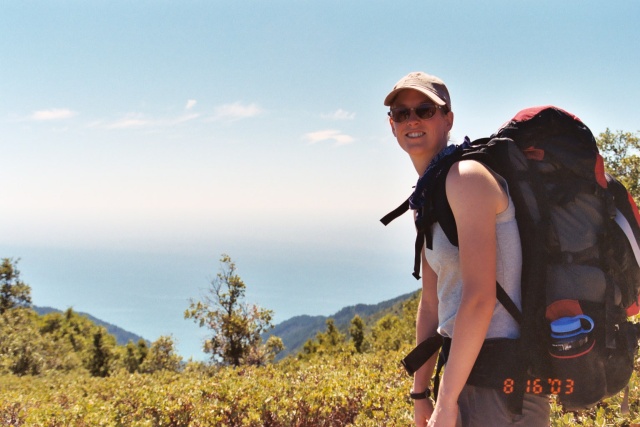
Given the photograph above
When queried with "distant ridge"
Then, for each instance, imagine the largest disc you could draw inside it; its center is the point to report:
(295, 331)
(122, 336)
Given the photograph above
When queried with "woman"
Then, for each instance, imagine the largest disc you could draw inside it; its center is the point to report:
(459, 283)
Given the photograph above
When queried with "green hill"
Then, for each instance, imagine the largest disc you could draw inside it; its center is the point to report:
(122, 336)
(296, 331)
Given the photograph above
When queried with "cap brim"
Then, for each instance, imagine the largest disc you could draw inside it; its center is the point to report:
(432, 96)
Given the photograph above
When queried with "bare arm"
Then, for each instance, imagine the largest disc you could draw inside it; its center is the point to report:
(475, 198)
(426, 325)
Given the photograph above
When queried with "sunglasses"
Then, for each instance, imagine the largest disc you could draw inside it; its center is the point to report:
(423, 111)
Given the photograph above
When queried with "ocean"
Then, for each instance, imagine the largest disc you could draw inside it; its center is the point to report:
(146, 290)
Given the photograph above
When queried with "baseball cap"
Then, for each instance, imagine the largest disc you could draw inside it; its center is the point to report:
(430, 85)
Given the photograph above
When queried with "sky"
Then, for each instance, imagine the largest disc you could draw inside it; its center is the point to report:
(142, 140)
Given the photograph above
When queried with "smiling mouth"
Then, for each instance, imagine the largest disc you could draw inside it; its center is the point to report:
(415, 134)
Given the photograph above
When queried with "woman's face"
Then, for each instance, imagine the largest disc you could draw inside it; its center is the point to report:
(422, 139)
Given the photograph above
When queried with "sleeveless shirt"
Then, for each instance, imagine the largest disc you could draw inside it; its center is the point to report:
(445, 262)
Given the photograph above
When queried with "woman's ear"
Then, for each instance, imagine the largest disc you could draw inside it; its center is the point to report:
(393, 127)
(449, 118)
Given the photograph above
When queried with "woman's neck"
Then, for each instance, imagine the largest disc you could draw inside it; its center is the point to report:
(422, 163)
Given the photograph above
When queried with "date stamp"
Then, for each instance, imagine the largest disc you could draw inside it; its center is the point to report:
(542, 386)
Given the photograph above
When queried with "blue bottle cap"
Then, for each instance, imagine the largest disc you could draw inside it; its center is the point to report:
(570, 326)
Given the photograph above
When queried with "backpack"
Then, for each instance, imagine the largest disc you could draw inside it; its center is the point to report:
(580, 233)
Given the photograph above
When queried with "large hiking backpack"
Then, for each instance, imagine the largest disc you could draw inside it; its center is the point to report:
(579, 230)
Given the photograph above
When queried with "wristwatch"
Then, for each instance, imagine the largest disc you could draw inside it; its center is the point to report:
(418, 396)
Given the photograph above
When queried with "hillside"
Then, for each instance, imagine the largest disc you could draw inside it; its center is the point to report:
(296, 331)
(122, 336)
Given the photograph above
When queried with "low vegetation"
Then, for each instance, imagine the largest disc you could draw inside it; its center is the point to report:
(61, 370)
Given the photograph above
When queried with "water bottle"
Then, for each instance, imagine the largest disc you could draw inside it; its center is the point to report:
(575, 361)
(571, 335)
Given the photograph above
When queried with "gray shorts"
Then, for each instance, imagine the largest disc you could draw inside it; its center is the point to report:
(482, 407)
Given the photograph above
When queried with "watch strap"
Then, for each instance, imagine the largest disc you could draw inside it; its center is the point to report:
(418, 396)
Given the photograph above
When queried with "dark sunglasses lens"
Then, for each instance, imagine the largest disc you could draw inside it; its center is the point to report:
(400, 115)
(426, 111)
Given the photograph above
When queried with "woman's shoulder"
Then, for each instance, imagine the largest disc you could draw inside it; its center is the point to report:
(470, 180)
(470, 172)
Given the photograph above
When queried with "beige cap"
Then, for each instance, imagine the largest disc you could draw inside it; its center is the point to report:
(430, 85)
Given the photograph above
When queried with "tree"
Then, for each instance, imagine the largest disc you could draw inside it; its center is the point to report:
(13, 291)
(161, 357)
(143, 351)
(131, 359)
(356, 330)
(20, 341)
(72, 339)
(101, 353)
(386, 333)
(621, 153)
(134, 355)
(332, 341)
(22, 348)
(393, 331)
(236, 327)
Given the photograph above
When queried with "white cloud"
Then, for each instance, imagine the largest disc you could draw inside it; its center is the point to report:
(53, 114)
(137, 120)
(130, 121)
(190, 104)
(96, 124)
(329, 135)
(236, 111)
(339, 114)
(181, 119)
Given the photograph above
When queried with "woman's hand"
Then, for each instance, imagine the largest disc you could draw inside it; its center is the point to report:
(422, 410)
(444, 415)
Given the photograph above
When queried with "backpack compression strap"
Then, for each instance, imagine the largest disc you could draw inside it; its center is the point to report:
(420, 236)
(423, 351)
(508, 304)
(400, 210)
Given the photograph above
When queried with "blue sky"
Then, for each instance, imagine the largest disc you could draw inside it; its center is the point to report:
(140, 140)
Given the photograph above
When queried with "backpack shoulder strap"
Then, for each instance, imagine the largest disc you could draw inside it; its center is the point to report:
(429, 198)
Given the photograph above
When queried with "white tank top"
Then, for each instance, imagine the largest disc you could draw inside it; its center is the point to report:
(444, 260)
